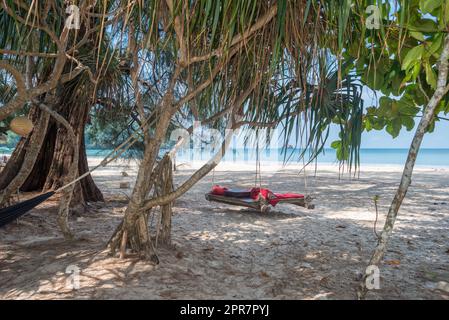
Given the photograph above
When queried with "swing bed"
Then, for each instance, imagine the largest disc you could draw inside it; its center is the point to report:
(257, 198)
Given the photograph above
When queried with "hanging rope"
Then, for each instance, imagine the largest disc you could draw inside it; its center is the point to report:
(258, 177)
(305, 176)
(260, 172)
(255, 176)
(308, 199)
(118, 151)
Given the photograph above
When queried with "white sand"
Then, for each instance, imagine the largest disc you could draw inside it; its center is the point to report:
(228, 252)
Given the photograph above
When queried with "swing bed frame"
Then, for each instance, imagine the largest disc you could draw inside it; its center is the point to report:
(242, 198)
(260, 204)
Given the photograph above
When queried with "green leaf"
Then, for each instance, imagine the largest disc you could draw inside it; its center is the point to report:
(216, 18)
(412, 57)
(431, 76)
(336, 144)
(424, 25)
(416, 70)
(394, 127)
(368, 125)
(436, 44)
(428, 6)
(342, 151)
(417, 35)
(407, 107)
(374, 78)
(385, 107)
(408, 122)
(446, 11)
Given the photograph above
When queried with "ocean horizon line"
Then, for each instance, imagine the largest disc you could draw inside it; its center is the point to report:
(434, 157)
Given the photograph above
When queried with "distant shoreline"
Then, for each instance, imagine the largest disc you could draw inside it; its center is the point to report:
(369, 157)
(268, 166)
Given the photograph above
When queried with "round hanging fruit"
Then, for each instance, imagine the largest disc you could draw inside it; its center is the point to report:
(21, 125)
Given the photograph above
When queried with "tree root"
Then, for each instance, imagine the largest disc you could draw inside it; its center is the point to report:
(136, 238)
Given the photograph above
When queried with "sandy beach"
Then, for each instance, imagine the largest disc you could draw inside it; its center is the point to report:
(223, 252)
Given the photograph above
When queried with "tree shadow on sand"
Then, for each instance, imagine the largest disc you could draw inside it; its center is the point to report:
(225, 252)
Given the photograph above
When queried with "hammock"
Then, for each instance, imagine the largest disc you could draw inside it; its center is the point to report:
(256, 198)
(13, 212)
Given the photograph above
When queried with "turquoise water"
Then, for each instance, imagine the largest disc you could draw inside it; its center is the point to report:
(426, 157)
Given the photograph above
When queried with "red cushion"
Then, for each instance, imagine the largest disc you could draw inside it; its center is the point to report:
(218, 190)
(289, 195)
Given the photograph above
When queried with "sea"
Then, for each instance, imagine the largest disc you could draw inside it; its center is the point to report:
(387, 156)
(390, 156)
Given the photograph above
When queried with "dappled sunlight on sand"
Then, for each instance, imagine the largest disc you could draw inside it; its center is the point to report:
(229, 252)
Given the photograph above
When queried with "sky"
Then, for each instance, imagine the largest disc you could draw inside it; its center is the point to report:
(438, 139)
(381, 139)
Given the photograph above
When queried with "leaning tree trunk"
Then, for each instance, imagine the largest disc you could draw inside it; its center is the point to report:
(428, 114)
(40, 121)
(133, 232)
(54, 158)
(162, 184)
(126, 233)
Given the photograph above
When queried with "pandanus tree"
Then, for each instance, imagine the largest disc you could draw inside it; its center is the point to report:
(236, 64)
(227, 64)
(211, 42)
(56, 69)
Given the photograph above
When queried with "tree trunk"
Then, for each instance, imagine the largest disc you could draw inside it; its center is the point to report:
(139, 207)
(29, 158)
(163, 186)
(72, 174)
(133, 232)
(54, 158)
(87, 185)
(428, 114)
(17, 157)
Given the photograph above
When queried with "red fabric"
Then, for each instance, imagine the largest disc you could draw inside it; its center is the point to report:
(289, 195)
(266, 194)
(218, 190)
(272, 198)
